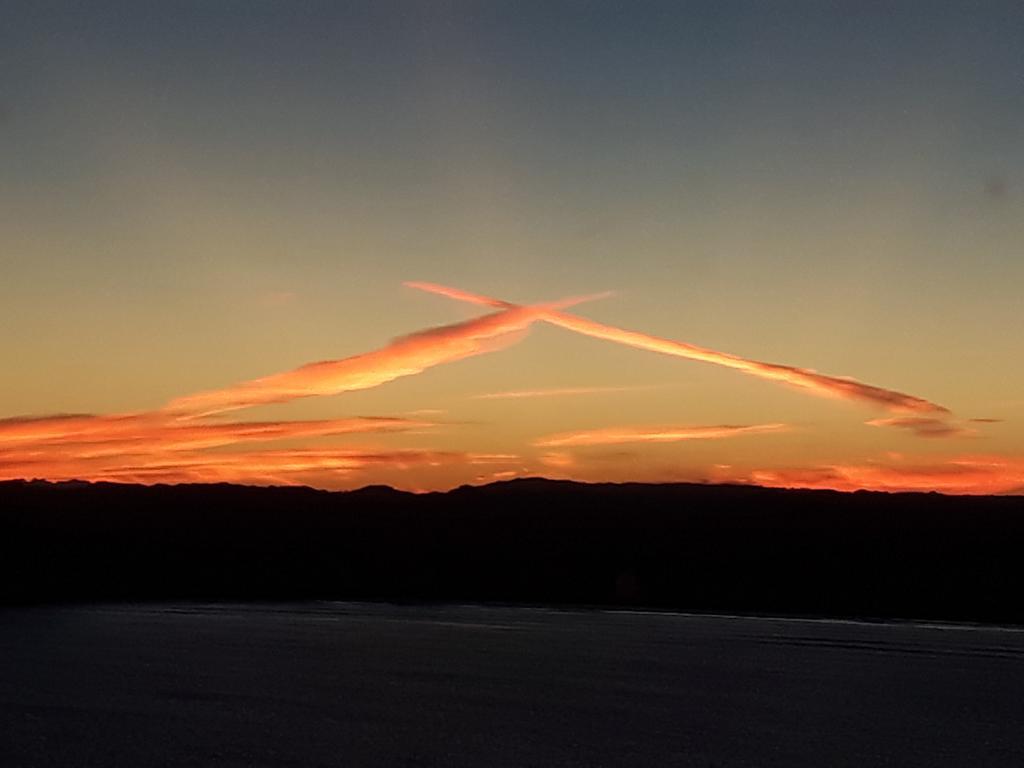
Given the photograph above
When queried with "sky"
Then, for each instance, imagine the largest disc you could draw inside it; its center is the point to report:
(429, 244)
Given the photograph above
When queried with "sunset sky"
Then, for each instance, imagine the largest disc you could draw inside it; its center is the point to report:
(428, 244)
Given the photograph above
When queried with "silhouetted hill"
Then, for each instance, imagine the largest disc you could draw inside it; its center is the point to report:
(690, 547)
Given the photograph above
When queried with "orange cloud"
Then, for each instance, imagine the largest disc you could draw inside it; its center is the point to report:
(91, 436)
(405, 356)
(652, 434)
(21, 429)
(176, 443)
(132, 447)
(924, 426)
(801, 378)
(182, 443)
(558, 460)
(965, 475)
(491, 477)
(556, 392)
(274, 467)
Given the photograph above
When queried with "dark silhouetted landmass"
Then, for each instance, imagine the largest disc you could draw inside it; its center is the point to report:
(688, 547)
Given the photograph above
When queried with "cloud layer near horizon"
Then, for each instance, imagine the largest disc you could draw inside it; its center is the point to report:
(188, 440)
(961, 475)
(87, 433)
(173, 443)
(277, 467)
(151, 445)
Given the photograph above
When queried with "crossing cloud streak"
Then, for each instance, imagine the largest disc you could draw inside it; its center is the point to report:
(174, 442)
(801, 378)
(404, 356)
(191, 440)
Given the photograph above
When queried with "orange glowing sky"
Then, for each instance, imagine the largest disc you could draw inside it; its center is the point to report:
(435, 246)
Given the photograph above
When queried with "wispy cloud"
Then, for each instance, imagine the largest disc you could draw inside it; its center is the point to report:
(278, 298)
(152, 448)
(802, 378)
(405, 356)
(517, 394)
(90, 436)
(653, 434)
(266, 467)
(924, 426)
(190, 440)
(559, 460)
(491, 477)
(22, 429)
(180, 441)
(963, 475)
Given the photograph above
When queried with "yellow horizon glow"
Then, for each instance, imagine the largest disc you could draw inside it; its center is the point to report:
(189, 439)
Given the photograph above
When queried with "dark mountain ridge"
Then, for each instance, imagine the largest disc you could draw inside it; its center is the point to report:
(727, 548)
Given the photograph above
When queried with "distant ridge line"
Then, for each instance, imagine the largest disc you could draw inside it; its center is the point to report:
(508, 483)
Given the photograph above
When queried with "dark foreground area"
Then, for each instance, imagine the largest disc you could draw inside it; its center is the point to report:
(722, 549)
(353, 685)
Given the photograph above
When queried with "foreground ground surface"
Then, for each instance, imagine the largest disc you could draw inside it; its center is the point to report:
(352, 684)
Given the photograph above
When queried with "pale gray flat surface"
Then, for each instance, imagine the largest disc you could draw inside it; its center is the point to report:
(353, 685)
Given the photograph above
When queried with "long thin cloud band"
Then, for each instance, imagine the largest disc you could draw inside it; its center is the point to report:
(403, 357)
